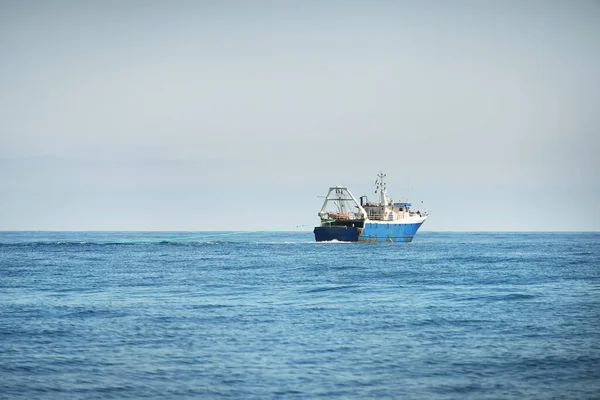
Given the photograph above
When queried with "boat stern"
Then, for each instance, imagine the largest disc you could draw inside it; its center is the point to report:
(339, 233)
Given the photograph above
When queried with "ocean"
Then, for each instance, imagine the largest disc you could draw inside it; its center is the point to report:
(264, 315)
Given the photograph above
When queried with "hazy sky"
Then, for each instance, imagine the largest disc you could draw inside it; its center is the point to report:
(224, 115)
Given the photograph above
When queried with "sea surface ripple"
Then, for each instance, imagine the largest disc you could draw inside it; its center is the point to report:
(118, 315)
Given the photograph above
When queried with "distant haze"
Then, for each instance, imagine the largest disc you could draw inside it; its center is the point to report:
(192, 115)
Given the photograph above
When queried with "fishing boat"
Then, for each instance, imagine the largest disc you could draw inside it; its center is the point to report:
(344, 218)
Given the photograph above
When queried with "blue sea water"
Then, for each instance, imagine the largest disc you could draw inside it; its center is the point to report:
(275, 315)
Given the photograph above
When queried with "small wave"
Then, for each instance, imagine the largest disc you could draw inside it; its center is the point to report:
(94, 314)
(504, 297)
(211, 306)
(275, 242)
(144, 242)
(330, 288)
(46, 244)
(518, 296)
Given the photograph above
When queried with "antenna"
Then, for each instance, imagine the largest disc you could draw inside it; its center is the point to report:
(379, 183)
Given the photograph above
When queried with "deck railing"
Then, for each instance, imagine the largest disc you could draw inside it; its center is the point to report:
(344, 216)
(390, 217)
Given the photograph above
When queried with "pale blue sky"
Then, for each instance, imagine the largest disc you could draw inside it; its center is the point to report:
(236, 115)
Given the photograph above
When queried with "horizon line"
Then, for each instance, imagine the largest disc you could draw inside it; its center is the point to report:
(287, 231)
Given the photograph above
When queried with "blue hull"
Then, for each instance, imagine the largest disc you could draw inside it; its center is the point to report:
(372, 232)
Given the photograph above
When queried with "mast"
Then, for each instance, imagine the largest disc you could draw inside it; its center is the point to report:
(381, 186)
